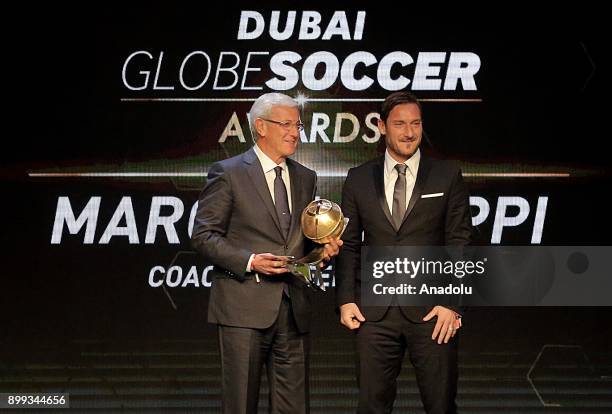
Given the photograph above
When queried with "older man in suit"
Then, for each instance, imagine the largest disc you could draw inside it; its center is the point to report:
(247, 224)
(402, 198)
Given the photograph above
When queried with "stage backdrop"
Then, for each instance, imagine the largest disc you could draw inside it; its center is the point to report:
(118, 118)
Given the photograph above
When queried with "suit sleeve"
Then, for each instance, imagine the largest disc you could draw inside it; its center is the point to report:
(349, 260)
(211, 223)
(458, 221)
(458, 224)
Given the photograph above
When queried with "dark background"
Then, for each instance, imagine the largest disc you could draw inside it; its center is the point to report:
(82, 318)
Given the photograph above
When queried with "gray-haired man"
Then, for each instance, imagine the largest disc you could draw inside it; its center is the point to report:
(248, 221)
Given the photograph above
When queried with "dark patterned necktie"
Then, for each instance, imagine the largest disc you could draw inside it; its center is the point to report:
(281, 201)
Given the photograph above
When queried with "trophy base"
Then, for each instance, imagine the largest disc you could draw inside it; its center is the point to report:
(307, 269)
(308, 273)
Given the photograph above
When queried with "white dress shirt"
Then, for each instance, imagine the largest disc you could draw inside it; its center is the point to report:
(391, 174)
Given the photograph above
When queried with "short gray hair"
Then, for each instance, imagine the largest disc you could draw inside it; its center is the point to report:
(263, 105)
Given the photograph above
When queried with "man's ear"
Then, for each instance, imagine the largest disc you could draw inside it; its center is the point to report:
(382, 127)
(259, 127)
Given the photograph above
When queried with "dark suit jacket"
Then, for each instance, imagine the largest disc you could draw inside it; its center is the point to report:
(235, 218)
(432, 221)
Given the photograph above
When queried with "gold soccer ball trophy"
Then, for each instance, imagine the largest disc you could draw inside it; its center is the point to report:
(321, 221)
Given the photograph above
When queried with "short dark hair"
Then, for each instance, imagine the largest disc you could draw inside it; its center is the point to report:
(397, 98)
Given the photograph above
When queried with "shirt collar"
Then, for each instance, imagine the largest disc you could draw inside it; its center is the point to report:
(266, 162)
(412, 162)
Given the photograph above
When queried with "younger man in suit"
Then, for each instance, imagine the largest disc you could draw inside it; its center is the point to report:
(383, 200)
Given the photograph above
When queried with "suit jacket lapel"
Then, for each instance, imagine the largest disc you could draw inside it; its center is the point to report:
(379, 183)
(421, 178)
(258, 178)
(296, 182)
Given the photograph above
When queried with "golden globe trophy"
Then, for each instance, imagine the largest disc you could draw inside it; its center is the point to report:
(321, 221)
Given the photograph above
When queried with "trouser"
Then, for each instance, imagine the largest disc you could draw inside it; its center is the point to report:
(380, 351)
(284, 352)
